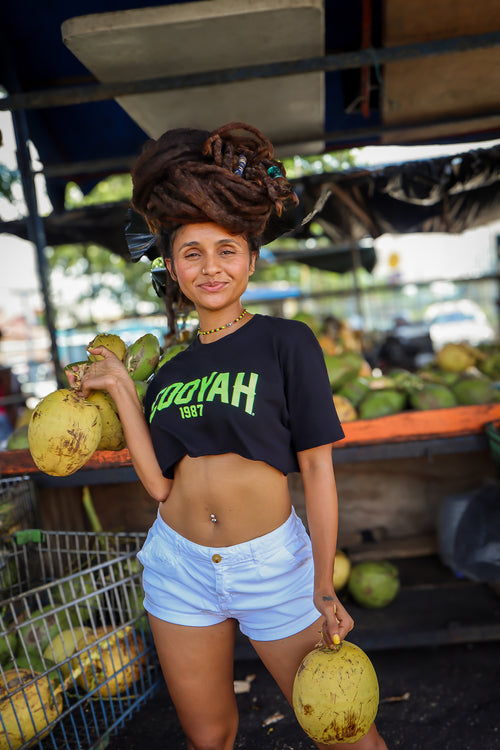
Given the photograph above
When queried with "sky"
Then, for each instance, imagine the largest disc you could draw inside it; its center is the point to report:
(419, 257)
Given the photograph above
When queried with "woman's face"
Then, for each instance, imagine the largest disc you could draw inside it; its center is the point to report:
(211, 265)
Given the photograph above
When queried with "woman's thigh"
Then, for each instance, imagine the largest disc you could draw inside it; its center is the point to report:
(197, 663)
(282, 658)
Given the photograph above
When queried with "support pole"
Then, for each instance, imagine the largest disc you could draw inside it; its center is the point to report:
(356, 265)
(36, 231)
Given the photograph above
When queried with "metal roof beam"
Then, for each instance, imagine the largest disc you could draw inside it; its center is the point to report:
(348, 138)
(70, 95)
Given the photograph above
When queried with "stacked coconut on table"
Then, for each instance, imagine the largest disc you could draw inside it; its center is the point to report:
(459, 375)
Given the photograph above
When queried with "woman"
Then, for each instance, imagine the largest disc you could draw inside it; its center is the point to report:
(226, 420)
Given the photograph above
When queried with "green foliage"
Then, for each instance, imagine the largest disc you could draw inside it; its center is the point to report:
(115, 188)
(109, 276)
(337, 161)
(8, 178)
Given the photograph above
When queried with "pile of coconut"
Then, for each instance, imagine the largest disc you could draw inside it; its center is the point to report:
(65, 429)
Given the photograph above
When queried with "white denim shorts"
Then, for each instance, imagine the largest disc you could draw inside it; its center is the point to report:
(266, 584)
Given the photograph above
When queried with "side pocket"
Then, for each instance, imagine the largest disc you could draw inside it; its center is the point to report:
(276, 563)
(155, 553)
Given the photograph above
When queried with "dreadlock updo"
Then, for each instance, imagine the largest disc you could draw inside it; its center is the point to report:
(192, 176)
(188, 176)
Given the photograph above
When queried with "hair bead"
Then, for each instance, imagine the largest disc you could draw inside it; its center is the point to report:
(242, 162)
(274, 172)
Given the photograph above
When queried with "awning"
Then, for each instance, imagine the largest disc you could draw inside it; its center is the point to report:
(447, 194)
(382, 74)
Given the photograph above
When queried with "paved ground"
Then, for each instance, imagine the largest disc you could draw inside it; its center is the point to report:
(441, 698)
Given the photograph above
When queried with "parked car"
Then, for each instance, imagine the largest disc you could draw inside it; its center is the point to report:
(458, 321)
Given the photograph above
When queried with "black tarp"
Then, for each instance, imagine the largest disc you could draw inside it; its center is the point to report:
(446, 194)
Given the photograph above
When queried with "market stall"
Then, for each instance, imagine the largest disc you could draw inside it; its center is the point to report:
(392, 471)
(392, 475)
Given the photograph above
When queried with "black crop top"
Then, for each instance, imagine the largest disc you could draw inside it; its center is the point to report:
(261, 392)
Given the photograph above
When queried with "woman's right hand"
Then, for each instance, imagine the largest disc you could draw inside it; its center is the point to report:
(101, 375)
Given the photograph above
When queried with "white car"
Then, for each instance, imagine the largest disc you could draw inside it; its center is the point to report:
(456, 322)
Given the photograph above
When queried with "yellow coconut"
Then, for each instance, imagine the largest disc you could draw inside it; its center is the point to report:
(63, 433)
(455, 357)
(26, 709)
(111, 341)
(112, 437)
(344, 408)
(116, 663)
(335, 694)
(341, 570)
(65, 644)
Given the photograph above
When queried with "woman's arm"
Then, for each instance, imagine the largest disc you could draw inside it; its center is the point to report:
(316, 468)
(109, 374)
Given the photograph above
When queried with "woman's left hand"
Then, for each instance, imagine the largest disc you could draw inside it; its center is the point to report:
(338, 622)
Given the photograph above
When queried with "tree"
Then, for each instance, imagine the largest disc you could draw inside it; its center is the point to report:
(110, 278)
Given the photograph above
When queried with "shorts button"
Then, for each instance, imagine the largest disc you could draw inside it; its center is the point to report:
(216, 558)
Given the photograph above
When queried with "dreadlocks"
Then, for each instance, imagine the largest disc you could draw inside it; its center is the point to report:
(228, 177)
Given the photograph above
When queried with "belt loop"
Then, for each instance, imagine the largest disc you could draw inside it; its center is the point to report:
(253, 550)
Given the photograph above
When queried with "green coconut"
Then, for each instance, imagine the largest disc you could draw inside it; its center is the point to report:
(355, 390)
(35, 630)
(432, 396)
(170, 353)
(8, 647)
(142, 357)
(381, 403)
(141, 387)
(340, 370)
(18, 440)
(475, 390)
(374, 584)
(490, 366)
(406, 380)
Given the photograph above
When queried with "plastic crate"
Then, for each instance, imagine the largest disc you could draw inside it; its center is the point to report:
(18, 506)
(71, 692)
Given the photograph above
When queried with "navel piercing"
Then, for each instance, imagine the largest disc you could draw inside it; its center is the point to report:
(213, 517)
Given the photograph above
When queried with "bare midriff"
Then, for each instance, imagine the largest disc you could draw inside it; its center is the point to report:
(218, 501)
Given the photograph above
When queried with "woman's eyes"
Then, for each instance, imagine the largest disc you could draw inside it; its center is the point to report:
(224, 251)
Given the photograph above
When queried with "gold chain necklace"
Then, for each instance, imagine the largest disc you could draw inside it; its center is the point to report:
(221, 328)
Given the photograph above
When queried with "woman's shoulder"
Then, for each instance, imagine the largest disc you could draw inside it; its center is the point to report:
(287, 327)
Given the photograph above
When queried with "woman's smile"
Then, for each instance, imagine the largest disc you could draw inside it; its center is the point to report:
(213, 286)
(212, 267)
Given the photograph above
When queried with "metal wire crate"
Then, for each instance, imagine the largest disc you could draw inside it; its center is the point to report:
(18, 506)
(76, 654)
